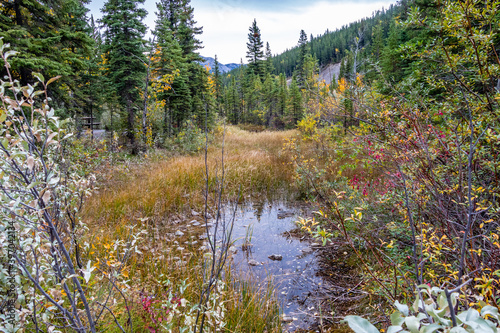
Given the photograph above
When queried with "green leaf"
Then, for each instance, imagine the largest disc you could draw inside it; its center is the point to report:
(39, 77)
(480, 325)
(30, 186)
(489, 310)
(468, 315)
(10, 53)
(3, 117)
(458, 329)
(432, 328)
(397, 319)
(403, 308)
(394, 329)
(53, 79)
(412, 323)
(360, 325)
(416, 304)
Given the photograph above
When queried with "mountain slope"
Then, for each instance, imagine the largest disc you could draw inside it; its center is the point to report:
(208, 61)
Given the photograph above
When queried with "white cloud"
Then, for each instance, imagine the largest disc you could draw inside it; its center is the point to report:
(225, 28)
(226, 22)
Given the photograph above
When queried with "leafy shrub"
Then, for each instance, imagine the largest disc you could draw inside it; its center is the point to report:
(434, 311)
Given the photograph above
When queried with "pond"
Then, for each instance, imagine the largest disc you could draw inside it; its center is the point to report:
(266, 251)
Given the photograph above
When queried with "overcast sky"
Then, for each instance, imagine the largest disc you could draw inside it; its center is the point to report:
(225, 22)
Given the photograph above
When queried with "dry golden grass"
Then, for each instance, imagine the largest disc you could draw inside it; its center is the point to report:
(254, 161)
(165, 191)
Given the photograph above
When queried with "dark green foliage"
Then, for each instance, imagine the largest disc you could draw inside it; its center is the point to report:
(176, 65)
(123, 49)
(332, 46)
(52, 38)
(255, 54)
(303, 52)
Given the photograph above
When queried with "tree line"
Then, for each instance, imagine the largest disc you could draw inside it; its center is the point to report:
(108, 70)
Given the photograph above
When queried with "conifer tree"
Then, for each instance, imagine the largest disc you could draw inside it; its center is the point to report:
(255, 54)
(176, 34)
(217, 85)
(52, 38)
(269, 60)
(391, 60)
(295, 103)
(303, 52)
(124, 48)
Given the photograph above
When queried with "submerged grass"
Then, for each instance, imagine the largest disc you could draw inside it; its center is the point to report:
(159, 196)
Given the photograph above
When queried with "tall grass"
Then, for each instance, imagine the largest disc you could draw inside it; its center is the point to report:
(159, 195)
(254, 161)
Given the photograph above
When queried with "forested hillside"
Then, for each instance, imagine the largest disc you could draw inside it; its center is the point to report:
(142, 191)
(368, 35)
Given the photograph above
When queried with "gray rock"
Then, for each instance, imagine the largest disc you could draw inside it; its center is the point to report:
(285, 213)
(307, 250)
(253, 263)
(275, 257)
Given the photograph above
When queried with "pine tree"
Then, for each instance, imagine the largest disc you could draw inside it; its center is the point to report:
(303, 52)
(187, 31)
(269, 60)
(52, 38)
(170, 71)
(295, 103)
(177, 45)
(217, 85)
(255, 54)
(391, 60)
(124, 48)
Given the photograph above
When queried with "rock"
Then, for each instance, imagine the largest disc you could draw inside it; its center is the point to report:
(307, 250)
(253, 263)
(285, 213)
(179, 233)
(275, 257)
(286, 319)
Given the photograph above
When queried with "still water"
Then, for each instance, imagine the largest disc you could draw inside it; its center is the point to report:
(294, 278)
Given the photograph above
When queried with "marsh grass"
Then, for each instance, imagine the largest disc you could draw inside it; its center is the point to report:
(159, 196)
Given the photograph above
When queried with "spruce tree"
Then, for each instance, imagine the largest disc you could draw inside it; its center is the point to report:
(255, 54)
(303, 52)
(269, 60)
(217, 85)
(52, 38)
(123, 49)
(177, 60)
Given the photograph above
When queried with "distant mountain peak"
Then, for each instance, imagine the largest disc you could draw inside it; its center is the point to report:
(209, 61)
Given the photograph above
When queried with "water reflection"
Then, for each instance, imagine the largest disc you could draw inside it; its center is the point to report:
(262, 230)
